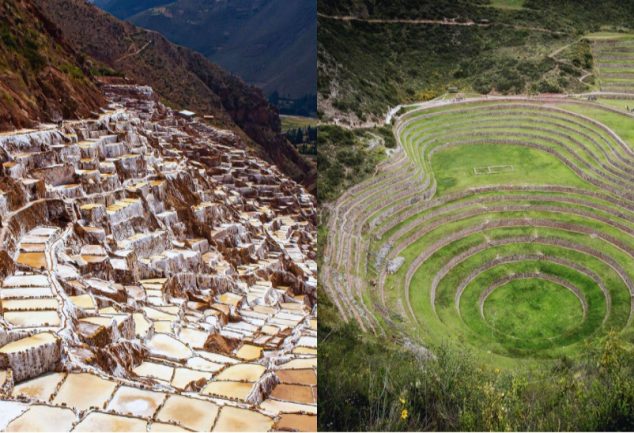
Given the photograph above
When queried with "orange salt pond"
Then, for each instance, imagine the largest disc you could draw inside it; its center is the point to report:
(34, 260)
(154, 370)
(83, 301)
(242, 373)
(276, 406)
(185, 376)
(137, 402)
(43, 418)
(32, 318)
(41, 388)
(249, 352)
(194, 414)
(235, 419)
(297, 377)
(235, 390)
(32, 248)
(296, 422)
(29, 342)
(97, 421)
(94, 259)
(304, 351)
(295, 393)
(162, 345)
(83, 391)
(29, 304)
(299, 364)
(162, 427)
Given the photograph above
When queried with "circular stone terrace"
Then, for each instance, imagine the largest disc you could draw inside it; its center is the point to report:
(505, 225)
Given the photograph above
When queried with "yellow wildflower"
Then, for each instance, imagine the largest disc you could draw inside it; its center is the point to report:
(404, 414)
(402, 400)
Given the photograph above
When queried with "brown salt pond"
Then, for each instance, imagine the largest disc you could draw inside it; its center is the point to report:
(236, 419)
(43, 418)
(296, 422)
(103, 422)
(83, 391)
(297, 377)
(295, 393)
(192, 413)
(41, 388)
(136, 402)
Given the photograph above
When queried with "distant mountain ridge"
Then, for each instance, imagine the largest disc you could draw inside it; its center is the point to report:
(268, 43)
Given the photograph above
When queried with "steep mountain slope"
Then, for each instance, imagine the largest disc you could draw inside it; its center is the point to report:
(373, 55)
(41, 77)
(269, 43)
(179, 75)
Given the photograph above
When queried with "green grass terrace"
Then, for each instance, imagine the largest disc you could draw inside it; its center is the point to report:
(504, 225)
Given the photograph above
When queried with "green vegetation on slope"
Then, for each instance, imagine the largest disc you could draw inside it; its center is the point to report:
(364, 67)
(346, 157)
(43, 78)
(370, 384)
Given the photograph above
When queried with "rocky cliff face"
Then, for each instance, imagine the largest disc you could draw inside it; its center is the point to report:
(179, 75)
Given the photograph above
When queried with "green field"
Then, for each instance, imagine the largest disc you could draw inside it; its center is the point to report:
(294, 122)
(523, 251)
(508, 4)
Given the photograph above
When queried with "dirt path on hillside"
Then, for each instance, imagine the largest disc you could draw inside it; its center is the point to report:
(444, 22)
(135, 53)
(422, 21)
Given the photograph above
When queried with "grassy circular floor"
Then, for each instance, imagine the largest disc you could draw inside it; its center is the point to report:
(533, 309)
(526, 251)
(505, 226)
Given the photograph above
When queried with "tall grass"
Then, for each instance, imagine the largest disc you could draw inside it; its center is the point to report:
(376, 384)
